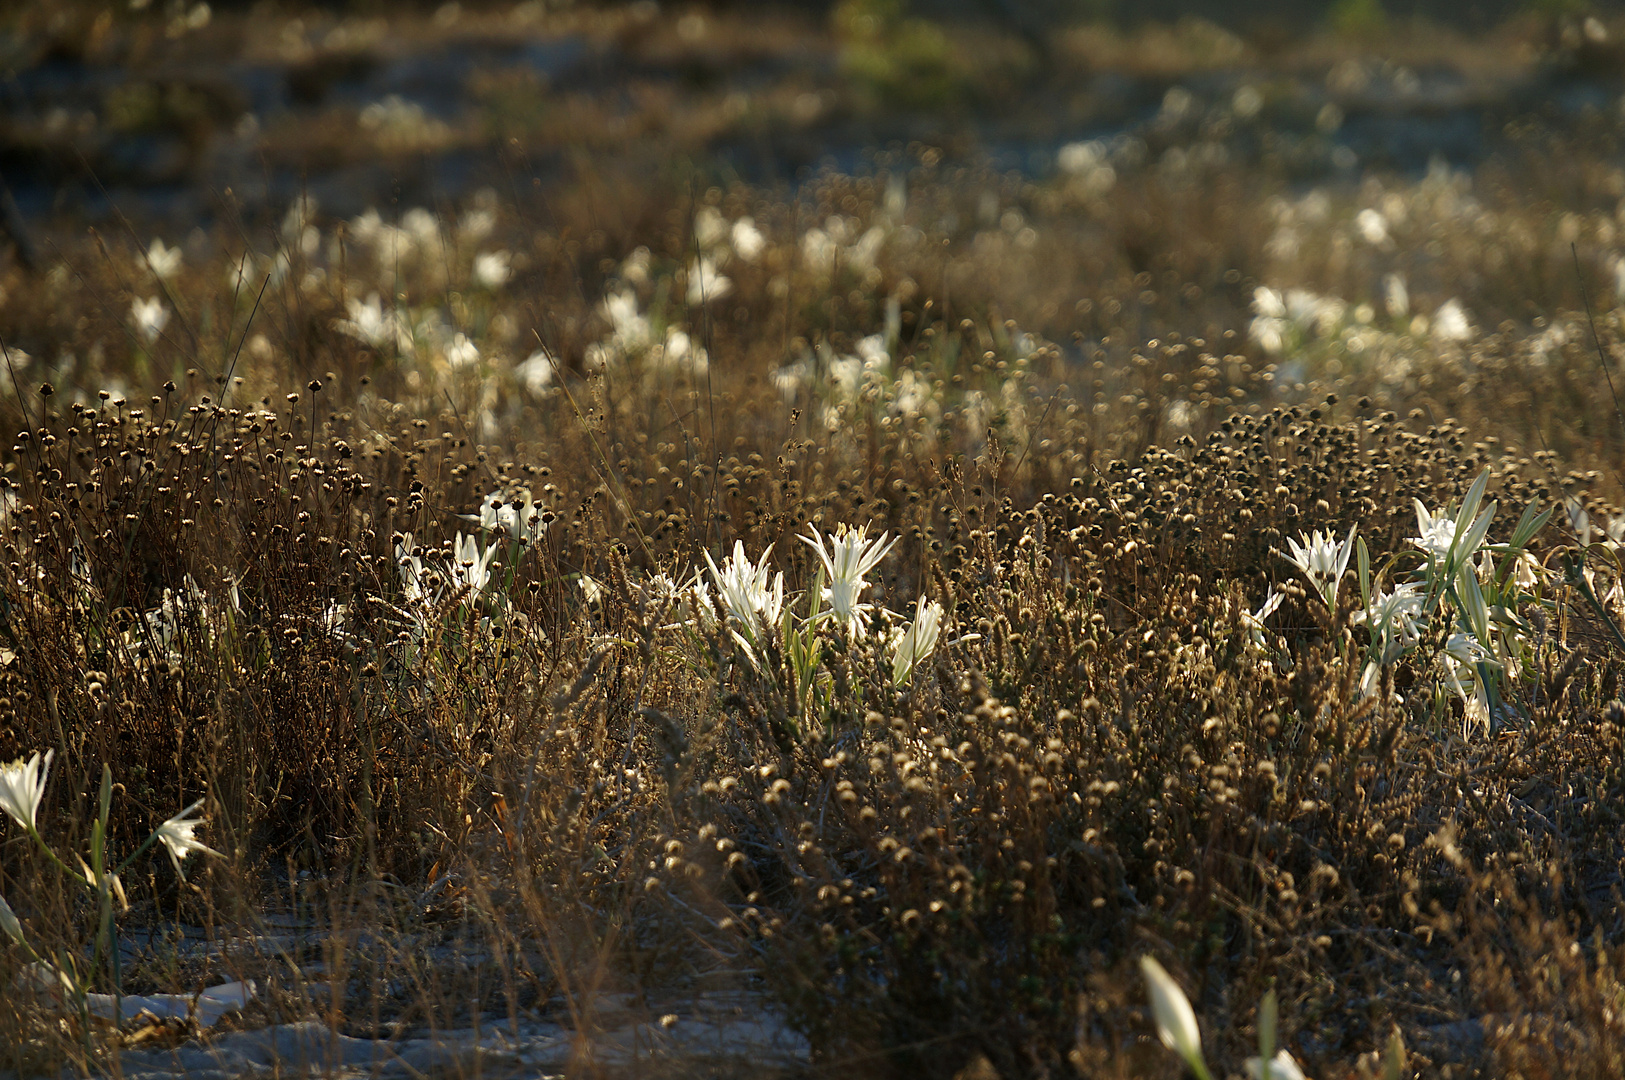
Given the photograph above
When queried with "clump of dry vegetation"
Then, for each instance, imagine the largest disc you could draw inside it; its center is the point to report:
(497, 583)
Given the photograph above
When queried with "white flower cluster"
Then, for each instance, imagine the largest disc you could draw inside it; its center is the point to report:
(1475, 589)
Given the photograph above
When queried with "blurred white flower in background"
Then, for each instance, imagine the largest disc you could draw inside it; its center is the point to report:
(1176, 1020)
(518, 516)
(370, 323)
(1450, 322)
(535, 372)
(1396, 298)
(471, 567)
(461, 352)
(150, 317)
(710, 228)
(705, 283)
(1372, 226)
(1281, 1067)
(630, 327)
(163, 261)
(748, 240)
(492, 269)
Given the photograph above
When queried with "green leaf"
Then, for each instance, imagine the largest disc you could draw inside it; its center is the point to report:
(1529, 525)
(1469, 505)
(1365, 586)
(1473, 606)
(1268, 1018)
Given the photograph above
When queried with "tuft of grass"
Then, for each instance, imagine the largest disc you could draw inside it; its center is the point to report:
(402, 538)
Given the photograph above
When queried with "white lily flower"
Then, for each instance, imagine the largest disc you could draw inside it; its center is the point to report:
(22, 785)
(517, 517)
(178, 836)
(471, 567)
(10, 925)
(1254, 620)
(162, 260)
(1392, 618)
(1435, 534)
(371, 324)
(1323, 561)
(492, 269)
(150, 317)
(847, 561)
(705, 283)
(748, 240)
(1450, 541)
(1280, 1067)
(1579, 520)
(1463, 655)
(1176, 1020)
(917, 642)
(746, 592)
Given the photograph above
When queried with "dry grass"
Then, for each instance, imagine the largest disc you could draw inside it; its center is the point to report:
(1092, 438)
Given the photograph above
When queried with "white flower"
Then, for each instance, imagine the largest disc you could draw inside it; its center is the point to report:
(748, 240)
(1437, 535)
(461, 352)
(163, 261)
(517, 517)
(176, 834)
(1579, 519)
(1372, 226)
(705, 283)
(370, 323)
(631, 328)
(22, 784)
(471, 567)
(847, 561)
(492, 269)
(745, 592)
(1322, 561)
(334, 619)
(1268, 303)
(917, 642)
(1450, 322)
(1254, 620)
(1463, 655)
(1392, 619)
(710, 228)
(9, 924)
(150, 317)
(1176, 1020)
(535, 372)
(1281, 1067)
(1396, 298)
(414, 580)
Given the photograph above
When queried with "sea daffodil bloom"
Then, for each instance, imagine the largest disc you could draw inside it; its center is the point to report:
(178, 835)
(1176, 1020)
(917, 642)
(847, 561)
(22, 784)
(1280, 1067)
(1323, 561)
(470, 567)
(518, 517)
(10, 925)
(748, 595)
